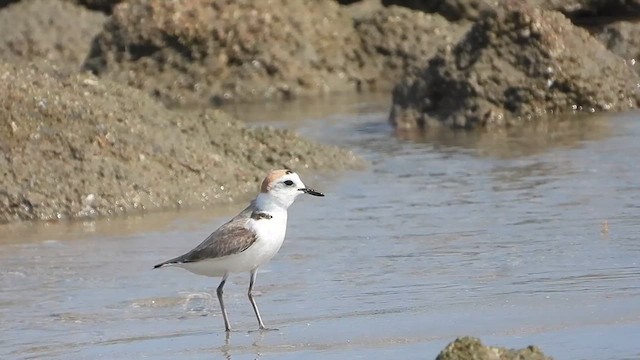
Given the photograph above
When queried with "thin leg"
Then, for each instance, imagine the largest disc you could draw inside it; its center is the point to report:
(253, 301)
(227, 327)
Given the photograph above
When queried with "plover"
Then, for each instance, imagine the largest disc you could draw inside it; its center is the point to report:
(248, 240)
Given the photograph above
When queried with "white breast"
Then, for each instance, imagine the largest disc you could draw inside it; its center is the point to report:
(271, 233)
(270, 236)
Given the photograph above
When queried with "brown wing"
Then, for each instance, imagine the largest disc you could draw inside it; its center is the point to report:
(227, 240)
(230, 238)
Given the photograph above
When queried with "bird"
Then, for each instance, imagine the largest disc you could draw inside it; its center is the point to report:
(248, 240)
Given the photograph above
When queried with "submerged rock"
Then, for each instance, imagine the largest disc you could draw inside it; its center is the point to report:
(214, 51)
(56, 30)
(466, 348)
(515, 63)
(74, 146)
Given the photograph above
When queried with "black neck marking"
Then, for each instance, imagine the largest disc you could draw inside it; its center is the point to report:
(260, 215)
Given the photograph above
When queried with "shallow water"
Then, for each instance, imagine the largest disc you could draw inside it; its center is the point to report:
(522, 237)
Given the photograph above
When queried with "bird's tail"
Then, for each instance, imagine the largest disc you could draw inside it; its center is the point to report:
(168, 262)
(177, 260)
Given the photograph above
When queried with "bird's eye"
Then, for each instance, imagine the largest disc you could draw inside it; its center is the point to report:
(288, 182)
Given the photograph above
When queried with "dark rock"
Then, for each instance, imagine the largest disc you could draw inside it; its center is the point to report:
(215, 51)
(429, 6)
(4, 3)
(515, 63)
(55, 30)
(397, 41)
(467, 348)
(74, 146)
(105, 6)
(591, 8)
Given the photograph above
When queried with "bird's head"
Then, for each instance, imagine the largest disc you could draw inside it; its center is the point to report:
(284, 186)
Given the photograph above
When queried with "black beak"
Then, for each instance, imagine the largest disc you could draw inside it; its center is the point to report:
(310, 191)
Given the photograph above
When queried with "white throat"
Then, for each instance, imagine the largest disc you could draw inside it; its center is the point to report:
(272, 204)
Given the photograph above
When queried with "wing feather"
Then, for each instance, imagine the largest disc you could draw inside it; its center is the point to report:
(227, 240)
(231, 238)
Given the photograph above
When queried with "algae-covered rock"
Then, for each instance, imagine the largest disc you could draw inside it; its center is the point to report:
(470, 348)
(74, 146)
(515, 63)
(56, 30)
(215, 51)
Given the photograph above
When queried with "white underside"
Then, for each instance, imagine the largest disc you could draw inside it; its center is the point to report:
(248, 260)
(271, 235)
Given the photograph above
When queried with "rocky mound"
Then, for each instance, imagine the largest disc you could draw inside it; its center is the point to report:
(214, 51)
(516, 63)
(466, 348)
(56, 30)
(397, 41)
(76, 146)
(623, 39)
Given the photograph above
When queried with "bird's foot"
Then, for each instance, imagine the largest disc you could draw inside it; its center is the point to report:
(264, 329)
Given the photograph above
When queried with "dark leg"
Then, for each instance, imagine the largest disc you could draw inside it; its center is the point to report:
(227, 327)
(253, 301)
